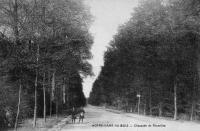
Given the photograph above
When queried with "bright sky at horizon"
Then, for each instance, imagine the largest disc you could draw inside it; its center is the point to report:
(108, 16)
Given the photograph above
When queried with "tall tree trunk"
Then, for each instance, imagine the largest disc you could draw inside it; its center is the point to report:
(67, 91)
(53, 85)
(57, 92)
(64, 92)
(138, 105)
(150, 98)
(160, 109)
(44, 95)
(57, 108)
(175, 100)
(192, 111)
(18, 106)
(195, 87)
(36, 84)
(52, 92)
(50, 110)
(145, 108)
(193, 97)
(161, 99)
(50, 100)
(197, 77)
(131, 108)
(35, 106)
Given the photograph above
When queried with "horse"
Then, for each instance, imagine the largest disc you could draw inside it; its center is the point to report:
(73, 115)
(81, 116)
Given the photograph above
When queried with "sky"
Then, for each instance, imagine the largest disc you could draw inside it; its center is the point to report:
(108, 16)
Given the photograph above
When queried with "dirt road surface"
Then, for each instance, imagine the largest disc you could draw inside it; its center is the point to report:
(101, 119)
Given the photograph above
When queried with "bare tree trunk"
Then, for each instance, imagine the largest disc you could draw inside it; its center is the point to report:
(192, 111)
(160, 109)
(145, 109)
(35, 106)
(193, 103)
(53, 85)
(57, 108)
(64, 92)
(50, 110)
(135, 108)
(57, 94)
(16, 33)
(36, 84)
(50, 102)
(18, 106)
(44, 95)
(175, 100)
(131, 110)
(194, 90)
(150, 110)
(67, 91)
(52, 92)
(138, 105)
(118, 106)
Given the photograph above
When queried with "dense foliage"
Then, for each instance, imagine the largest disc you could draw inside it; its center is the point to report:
(44, 47)
(154, 55)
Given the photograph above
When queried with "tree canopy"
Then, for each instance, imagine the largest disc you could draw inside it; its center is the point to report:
(152, 64)
(45, 45)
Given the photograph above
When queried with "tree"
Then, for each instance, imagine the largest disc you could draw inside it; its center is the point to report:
(155, 54)
(52, 37)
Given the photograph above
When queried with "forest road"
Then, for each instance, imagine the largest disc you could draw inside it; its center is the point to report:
(101, 119)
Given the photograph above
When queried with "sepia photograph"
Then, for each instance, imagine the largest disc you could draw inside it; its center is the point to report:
(99, 65)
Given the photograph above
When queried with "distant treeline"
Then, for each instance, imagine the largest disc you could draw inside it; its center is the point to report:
(155, 55)
(44, 47)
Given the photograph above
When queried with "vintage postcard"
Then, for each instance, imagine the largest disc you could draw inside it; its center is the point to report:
(99, 65)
